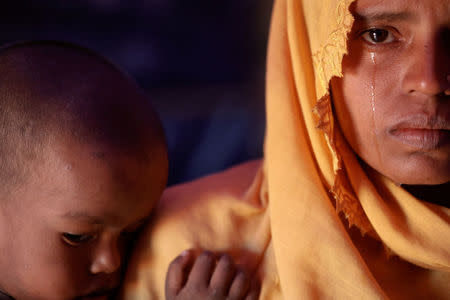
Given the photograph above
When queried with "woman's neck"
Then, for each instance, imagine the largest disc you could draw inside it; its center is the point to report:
(436, 194)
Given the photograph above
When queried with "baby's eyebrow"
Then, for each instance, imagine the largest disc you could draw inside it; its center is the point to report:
(83, 216)
(136, 225)
(95, 220)
(385, 16)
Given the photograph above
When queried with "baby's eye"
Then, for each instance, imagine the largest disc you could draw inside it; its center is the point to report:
(378, 36)
(76, 239)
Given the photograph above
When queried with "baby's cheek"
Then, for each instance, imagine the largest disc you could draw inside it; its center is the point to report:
(48, 283)
(67, 276)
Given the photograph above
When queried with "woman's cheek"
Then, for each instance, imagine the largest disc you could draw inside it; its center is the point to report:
(356, 103)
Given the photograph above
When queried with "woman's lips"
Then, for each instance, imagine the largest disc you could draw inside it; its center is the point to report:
(423, 132)
(422, 138)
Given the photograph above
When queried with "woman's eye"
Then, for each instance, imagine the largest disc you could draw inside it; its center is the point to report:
(378, 36)
(76, 239)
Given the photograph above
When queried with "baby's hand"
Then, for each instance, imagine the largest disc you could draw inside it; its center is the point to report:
(207, 278)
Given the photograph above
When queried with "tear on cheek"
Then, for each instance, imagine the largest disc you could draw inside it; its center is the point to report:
(373, 109)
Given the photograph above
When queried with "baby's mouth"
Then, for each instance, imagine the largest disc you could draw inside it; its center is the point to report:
(97, 295)
(104, 297)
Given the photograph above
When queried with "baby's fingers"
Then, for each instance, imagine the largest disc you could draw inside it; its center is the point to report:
(177, 273)
(239, 287)
(201, 271)
(253, 293)
(223, 275)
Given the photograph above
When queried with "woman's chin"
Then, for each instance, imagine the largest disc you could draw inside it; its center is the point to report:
(422, 176)
(414, 170)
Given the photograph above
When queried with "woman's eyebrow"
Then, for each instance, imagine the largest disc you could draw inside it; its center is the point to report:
(385, 16)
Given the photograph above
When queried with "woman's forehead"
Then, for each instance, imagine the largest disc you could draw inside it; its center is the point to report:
(428, 15)
(410, 8)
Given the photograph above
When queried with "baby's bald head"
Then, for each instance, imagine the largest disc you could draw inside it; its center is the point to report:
(51, 90)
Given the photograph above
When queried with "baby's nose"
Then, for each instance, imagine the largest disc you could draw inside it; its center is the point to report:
(106, 257)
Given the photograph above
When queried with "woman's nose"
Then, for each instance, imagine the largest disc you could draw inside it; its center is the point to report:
(106, 257)
(427, 72)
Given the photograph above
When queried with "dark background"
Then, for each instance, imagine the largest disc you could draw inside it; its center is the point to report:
(201, 62)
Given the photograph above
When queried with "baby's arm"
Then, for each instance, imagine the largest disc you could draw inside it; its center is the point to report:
(207, 277)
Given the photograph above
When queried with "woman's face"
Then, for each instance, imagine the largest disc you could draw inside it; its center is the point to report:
(393, 100)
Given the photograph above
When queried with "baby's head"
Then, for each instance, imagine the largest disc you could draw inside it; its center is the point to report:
(393, 100)
(82, 161)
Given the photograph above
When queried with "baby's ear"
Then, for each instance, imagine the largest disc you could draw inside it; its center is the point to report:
(178, 273)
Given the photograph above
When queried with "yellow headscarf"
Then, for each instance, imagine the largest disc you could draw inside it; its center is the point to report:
(289, 220)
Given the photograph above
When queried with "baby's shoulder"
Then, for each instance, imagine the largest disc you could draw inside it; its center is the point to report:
(231, 185)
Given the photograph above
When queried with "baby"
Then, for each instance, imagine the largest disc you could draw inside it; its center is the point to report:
(83, 160)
